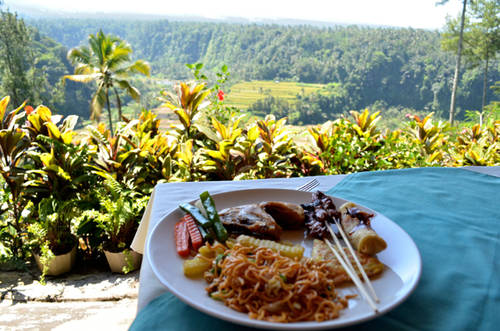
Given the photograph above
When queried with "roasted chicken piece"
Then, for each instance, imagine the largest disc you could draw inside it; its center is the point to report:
(263, 220)
(287, 215)
(252, 220)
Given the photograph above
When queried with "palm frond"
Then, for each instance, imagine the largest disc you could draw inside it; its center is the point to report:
(96, 45)
(132, 91)
(81, 78)
(123, 44)
(85, 69)
(140, 67)
(79, 55)
(118, 57)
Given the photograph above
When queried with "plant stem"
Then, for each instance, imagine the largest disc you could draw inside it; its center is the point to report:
(119, 103)
(109, 112)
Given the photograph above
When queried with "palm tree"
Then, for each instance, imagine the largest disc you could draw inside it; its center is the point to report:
(107, 62)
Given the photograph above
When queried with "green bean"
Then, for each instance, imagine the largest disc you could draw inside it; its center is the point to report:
(205, 234)
(213, 216)
(197, 215)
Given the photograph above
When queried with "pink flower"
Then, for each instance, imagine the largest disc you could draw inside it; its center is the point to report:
(408, 115)
(220, 95)
(464, 131)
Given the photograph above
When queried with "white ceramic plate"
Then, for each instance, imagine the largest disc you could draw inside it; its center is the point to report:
(400, 278)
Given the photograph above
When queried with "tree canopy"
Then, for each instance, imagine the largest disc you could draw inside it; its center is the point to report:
(32, 65)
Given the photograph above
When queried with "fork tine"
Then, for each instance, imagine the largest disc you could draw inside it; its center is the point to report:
(314, 183)
(309, 185)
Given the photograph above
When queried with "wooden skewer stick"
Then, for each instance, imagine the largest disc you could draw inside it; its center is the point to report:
(342, 252)
(348, 244)
(353, 276)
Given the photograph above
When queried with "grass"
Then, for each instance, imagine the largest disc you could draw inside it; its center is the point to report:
(243, 95)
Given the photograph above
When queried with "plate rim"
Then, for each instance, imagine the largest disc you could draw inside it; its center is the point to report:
(307, 325)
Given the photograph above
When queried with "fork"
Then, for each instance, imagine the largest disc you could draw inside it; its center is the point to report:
(309, 185)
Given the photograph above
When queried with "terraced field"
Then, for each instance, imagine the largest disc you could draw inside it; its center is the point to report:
(244, 94)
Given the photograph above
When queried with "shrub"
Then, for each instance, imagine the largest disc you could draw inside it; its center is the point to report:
(112, 174)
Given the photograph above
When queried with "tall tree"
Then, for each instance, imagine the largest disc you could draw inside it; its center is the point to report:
(107, 61)
(481, 37)
(459, 58)
(483, 40)
(17, 63)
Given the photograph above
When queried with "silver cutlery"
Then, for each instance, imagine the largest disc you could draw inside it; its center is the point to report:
(309, 185)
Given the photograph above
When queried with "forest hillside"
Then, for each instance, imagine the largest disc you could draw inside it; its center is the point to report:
(399, 68)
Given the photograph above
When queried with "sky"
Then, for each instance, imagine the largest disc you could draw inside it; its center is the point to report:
(400, 13)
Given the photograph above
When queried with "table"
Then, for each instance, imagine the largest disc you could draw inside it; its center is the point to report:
(167, 196)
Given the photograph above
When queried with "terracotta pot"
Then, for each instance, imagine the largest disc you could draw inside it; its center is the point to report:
(119, 260)
(60, 264)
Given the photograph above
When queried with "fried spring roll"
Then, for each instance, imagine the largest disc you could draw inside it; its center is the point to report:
(356, 224)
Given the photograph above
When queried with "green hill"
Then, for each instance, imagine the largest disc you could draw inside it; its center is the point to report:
(387, 67)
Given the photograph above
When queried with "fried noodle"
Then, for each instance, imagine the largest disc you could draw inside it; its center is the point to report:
(271, 287)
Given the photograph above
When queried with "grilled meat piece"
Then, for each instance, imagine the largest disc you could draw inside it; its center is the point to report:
(287, 215)
(319, 211)
(252, 220)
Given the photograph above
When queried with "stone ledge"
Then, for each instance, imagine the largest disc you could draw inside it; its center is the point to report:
(98, 286)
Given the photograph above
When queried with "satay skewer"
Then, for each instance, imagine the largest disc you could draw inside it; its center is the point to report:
(352, 274)
(358, 263)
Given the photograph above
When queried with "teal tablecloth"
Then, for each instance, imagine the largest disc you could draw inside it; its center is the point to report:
(454, 217)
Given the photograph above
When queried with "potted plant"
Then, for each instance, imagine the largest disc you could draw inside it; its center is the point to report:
(129, 164)
(121, 211)
(53, 242)
(14, 143)
(59, 180)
